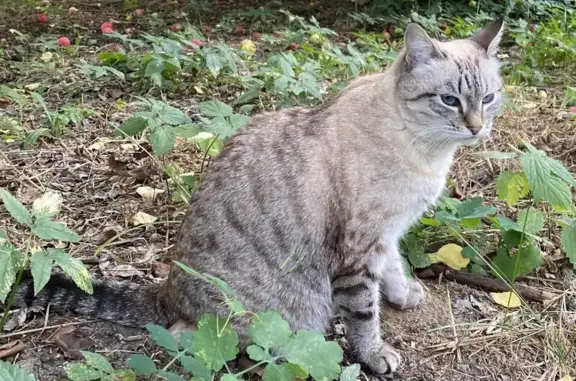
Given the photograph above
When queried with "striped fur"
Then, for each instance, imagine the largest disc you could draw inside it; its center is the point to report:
(303, 210)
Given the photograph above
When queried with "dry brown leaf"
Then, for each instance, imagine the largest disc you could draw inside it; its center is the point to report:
(72, 343)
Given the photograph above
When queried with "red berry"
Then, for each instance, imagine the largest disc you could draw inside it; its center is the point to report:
(64, 41)
(256, 36)
(175, 27)
(42, 18)
(107, 27)
(293, 46)
(138, 12)
(572, 109)
(197, 42)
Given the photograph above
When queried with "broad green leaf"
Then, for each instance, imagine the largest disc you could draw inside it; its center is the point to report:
(170, 376)
(526, 260)
(215, 343)
(269, 330)
(187, 130)
(41, 265)
(82, 372)
(162, 139)
(277, 372)
(473, 208)
(238, 120)
(511, 187)
(15, 207)
(141, 364)
(470, 223)
(310, 351)
(97, 361)
(215, 108)
(531, 219)
(74, 268)
(221, 127)
(154, 67)
(350, 373)
(14, 372)
(173, 116)
(110, 58)
(10, 261)
(132, 126)
(256, 353)
(196, 368)
(186, 341)
(162, 337)
(507, 224)
(44, 228)
(123, 375)
(568, 240)
(213, 63)
(543, 184)
(229, 377)
(418, 258)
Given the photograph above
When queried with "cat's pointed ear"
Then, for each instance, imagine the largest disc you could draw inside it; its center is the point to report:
(419, 47)
(489, 37)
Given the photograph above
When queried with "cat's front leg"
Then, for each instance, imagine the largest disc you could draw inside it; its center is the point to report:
(400, 292)
(356, 296)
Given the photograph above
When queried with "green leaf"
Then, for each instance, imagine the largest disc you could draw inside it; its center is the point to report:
(221, 127)
(44, 228)
(310, 351)
(196, 368)
(10, 261)
(543, 184)
(132, 126)
(142, 364)
(162, 139)
(512, 186)
(473, 208)
(15, 207)
(526, 260)
(154, 67)
(213, 63)
(215, 108)
(215, 343)
(170, 376)
(74, 268)
(277, 372)
(82, 372)
(269, 330)
(418, 258)
(350, 373)
(229, 377)
(507, 224)
(256, 353)
(187, 130)
(238, 120)
(97, 361)
(532, 219)
(41, 265)
(186, 341)
(110, 58)
(162, 337)
(14, 372)
(123, 375)
(173, 116)
(568, 240)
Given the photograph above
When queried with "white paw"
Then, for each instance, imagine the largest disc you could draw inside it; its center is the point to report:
(384, 360)
(406, 298)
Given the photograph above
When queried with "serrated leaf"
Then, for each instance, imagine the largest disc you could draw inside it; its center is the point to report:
(162, 337)
(277, 372)
(15, 207)
(162, 139)
(220, 127)
(187, 130)
(154, 67)
(568, 240)
(256, 353)
(213, 63)
(173, 116)
(451, 256)
(526, 260)
(141, 364)
(543, 184)
(269, 330)
(196, 368)
(41, 265)
(10, 260)
(215, 108)
(14, 372)
(82, 372)
(350, 373)
(508, 224)
(238, 120)
(74, 268)
(44, 228)
(531, 220)
(511, 187)
(310, 351)
(97, 361)
(49, 204)
(473, 208)
(215, 343)
(132, 126)
(507, 299)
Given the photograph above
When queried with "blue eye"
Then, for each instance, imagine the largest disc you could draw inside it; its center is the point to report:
(450, 100)
(488, 98)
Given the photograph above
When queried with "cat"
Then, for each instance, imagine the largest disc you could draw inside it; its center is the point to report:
(303, 210)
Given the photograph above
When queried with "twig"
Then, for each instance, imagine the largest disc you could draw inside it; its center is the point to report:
(485, 283)
(14, 349)
(44, 328)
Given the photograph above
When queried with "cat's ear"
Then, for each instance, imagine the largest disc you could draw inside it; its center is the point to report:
(489, 37)
(419, 47)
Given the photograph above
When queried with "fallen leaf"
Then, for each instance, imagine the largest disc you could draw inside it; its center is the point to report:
(17, 319)
(49, 203)
(12, 348)
(32, 86)
(566, 378)
(125, 271)
(72, 343)
(160, 269)
(149, 193)
(451, 256)
(530, 105)
(142, 218)
(507, 299)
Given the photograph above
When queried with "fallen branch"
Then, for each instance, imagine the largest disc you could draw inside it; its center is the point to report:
(485, 283)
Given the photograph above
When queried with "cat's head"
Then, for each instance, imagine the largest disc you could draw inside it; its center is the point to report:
(450, 91)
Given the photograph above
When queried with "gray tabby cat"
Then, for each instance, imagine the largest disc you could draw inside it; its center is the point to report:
(303, 210)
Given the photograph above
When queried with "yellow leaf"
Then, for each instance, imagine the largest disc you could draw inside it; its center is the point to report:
(248, 45)
(32, 86)
(507, 299)
(198, 90)
(566, 378)
(451, 256)
(142, 218)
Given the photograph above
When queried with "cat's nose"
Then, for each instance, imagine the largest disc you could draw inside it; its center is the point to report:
(474, 123)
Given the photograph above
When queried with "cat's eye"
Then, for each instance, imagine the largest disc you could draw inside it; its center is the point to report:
(488, 98)
(450, 100)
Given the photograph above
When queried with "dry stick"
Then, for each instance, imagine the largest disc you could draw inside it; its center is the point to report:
(20, 333)
(485, 283)
(17, 348)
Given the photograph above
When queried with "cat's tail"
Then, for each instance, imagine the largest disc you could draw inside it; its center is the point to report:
(125, 303)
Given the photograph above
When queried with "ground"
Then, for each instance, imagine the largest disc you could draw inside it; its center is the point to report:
(458, 333)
